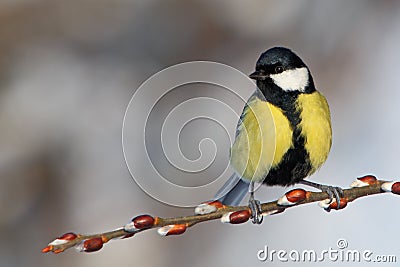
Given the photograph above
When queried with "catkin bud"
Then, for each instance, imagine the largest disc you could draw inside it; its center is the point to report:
(140, 222)
(292, 197)
(393, 187)
(175, 229)
(90, 245)
(236, 217)
(363, 181)
(208, 207)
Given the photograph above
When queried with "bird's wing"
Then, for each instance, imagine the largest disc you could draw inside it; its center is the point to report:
(233, 191)
(257, 94)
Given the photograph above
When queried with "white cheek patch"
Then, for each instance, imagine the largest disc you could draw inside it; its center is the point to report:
(292, 80)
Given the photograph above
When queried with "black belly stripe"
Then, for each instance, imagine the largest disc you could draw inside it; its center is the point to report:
(294, 167)
(296, 164)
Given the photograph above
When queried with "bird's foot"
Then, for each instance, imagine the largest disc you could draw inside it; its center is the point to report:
(255, 207)
(332, 191)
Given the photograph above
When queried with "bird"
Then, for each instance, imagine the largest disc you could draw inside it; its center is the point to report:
(284, 133)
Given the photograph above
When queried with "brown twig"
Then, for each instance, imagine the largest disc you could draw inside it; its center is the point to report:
(364, 186)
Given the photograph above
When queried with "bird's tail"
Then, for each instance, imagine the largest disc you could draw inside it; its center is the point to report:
(233, 191)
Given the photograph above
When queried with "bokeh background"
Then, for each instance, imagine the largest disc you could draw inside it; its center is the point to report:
(69, 68)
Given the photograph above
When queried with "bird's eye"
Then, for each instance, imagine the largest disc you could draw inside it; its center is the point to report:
(279, 69)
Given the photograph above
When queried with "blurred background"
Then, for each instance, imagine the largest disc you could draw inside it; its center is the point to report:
(69, 69)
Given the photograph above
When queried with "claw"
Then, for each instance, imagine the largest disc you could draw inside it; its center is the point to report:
(337, 191)
(327, 205)
(332, 191)
(337, 199)
(255, 207)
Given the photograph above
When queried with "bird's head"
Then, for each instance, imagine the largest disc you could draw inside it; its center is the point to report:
(281, 67)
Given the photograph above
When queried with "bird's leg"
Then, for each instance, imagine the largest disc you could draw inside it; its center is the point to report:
(332, 191)
(255, 207)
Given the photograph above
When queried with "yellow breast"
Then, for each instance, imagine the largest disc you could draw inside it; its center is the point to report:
(265, 135)
(315, 127)
(263, 138)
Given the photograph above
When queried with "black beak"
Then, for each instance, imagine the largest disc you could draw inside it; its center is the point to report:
(258, 76)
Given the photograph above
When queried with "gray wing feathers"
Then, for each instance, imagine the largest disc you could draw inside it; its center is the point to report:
(233, 191)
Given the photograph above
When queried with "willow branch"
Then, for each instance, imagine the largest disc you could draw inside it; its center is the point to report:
(362, 187)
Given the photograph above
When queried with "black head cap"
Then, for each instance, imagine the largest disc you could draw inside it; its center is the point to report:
(277, 60)
(278, 56)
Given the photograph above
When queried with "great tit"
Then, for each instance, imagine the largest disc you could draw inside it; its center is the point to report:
(300, 131)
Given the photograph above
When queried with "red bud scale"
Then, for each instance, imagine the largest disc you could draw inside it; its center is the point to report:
(292, 197)
(90, 245)
(396, 188)
(140, 222)
(65, 238)
(236, 217)
(364, 181)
